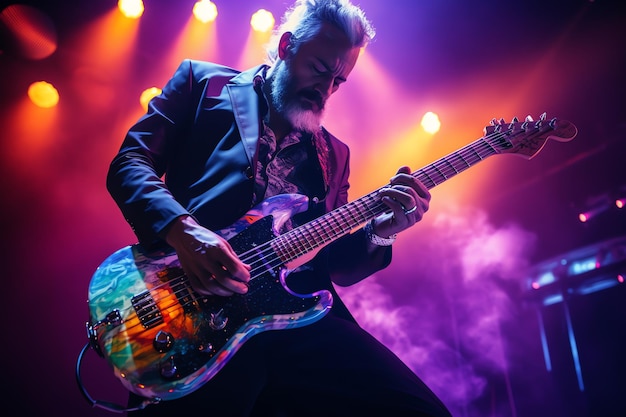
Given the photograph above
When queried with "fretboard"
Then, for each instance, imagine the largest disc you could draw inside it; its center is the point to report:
(339, 222)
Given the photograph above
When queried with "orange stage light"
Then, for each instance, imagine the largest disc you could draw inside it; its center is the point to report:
(43, 94)
(147, 95)
(133, 9)
(30, 32)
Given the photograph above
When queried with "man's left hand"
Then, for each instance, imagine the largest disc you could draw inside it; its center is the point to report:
(407, 197)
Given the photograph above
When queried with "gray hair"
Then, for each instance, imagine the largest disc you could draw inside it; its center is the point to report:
(305, 18)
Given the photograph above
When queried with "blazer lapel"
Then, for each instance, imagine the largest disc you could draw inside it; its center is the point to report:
(245, 101)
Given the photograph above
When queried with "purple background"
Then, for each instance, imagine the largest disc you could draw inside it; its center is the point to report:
(453, 304)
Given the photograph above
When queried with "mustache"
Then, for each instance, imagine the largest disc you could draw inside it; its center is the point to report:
(314, 96)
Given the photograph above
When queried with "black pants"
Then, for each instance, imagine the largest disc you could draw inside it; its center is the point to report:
(330, 368)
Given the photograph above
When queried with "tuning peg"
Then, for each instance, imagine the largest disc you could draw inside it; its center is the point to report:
(493, 122)
(515, 119)
(502, 121)
(542, 117)
(529, 118)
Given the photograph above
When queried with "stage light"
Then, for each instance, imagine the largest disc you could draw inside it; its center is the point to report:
(585, 216)
(619, 203)
(27, 31)
(205, 11)
(262, 21)
(43, 94)
(133, 9)
(431, 123)
(147, 95)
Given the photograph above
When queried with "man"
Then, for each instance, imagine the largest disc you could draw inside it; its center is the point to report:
(226, 141)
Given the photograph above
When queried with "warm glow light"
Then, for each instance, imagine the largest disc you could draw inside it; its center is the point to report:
(43, 94)
(535, 285)
(620, 278)
(620, 203)
(205, 11)
(262, 21)
(583, 217)
(133, 9)
(431, 123)
(147, 95)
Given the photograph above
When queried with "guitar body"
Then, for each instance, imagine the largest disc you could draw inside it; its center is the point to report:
(162, 339)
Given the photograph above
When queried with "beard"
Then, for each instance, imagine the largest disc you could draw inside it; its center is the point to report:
(286, 101)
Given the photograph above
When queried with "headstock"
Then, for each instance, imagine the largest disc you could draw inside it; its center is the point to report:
(527, 138)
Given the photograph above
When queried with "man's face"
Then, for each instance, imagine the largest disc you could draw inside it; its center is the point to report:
(303, 82)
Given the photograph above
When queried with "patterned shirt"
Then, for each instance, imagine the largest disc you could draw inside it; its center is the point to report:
(298, 164)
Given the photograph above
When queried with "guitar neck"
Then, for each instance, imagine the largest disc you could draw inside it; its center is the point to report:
(458, 161)
(342, 220)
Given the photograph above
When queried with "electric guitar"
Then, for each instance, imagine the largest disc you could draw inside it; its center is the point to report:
(164, 341)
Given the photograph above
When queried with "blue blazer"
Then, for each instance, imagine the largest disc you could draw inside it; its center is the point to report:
(201, 135)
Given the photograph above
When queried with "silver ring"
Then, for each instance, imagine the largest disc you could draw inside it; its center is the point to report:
(407, 212)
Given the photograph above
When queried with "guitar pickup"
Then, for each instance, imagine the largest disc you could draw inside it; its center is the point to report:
(147, 310)
(178, 282)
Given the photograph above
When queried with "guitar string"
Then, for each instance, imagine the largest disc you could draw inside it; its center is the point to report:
(269, 259)
(482, 148)
(474, 149)
(469, 150)
(265, 256)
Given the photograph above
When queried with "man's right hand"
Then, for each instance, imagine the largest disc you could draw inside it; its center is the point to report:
(211, 264)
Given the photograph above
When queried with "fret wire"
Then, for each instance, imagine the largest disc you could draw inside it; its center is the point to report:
(439, 171)
(444, 167)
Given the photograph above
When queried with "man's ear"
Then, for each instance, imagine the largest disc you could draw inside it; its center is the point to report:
(283, 45)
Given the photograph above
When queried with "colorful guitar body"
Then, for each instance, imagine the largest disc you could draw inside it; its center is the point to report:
(165, 341)
(162, 339)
